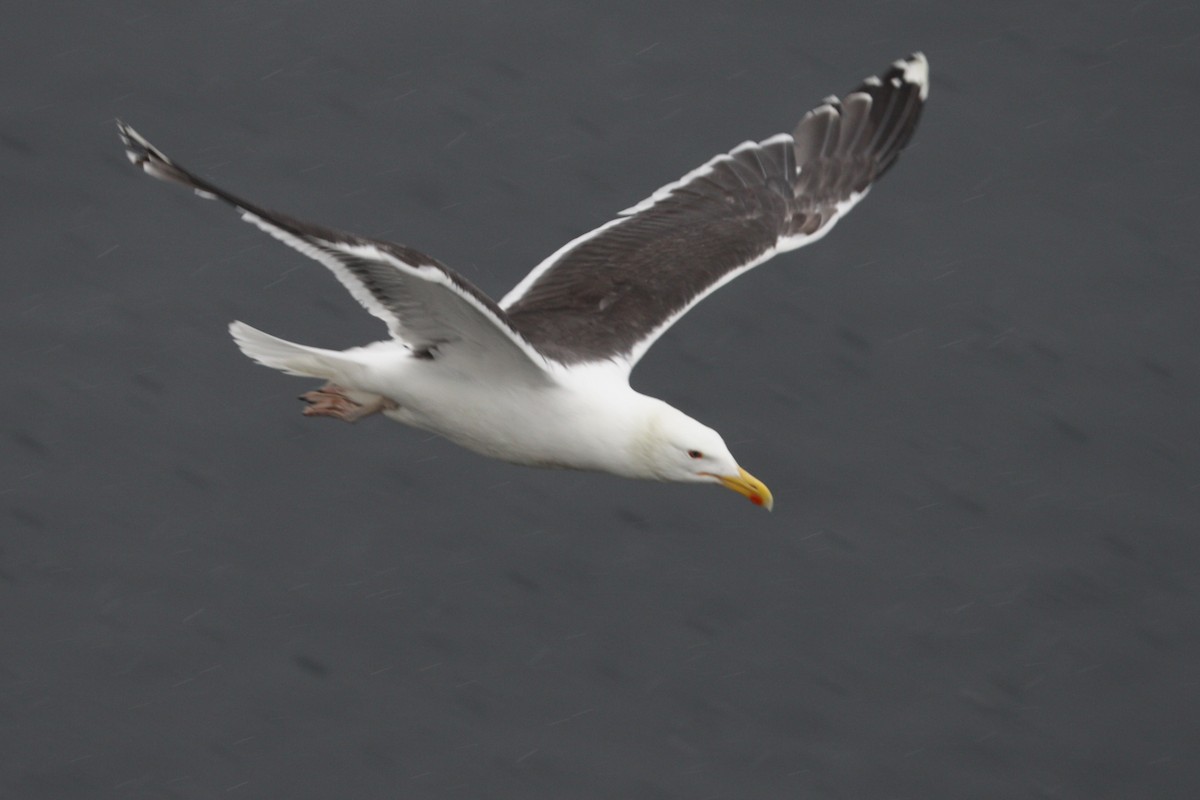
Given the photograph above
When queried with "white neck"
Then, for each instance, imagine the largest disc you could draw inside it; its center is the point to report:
(610, 426)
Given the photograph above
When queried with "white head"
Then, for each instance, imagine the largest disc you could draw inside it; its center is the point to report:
(671, 446)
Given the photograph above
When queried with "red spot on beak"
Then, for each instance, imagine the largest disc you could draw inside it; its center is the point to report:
(756, 499)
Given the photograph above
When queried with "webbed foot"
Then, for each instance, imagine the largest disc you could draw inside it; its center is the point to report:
(335, 401)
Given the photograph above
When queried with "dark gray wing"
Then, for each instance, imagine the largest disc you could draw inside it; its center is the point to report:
(428, 306)
(609, 294)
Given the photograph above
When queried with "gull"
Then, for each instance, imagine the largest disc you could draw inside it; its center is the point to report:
(541, 378)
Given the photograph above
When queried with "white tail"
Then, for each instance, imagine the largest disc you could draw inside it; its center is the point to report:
(289, 357)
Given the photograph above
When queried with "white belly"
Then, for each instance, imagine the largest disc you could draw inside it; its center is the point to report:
(577, 422)
(539, 426)
(513, 426)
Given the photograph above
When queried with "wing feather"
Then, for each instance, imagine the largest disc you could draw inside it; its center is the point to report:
(424, 303)
(609, 294)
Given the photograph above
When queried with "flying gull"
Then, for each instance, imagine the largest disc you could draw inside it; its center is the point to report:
(542, 377)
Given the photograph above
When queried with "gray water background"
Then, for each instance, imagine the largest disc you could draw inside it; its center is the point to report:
(976, 402)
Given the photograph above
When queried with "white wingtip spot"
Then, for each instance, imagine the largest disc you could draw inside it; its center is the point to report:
(916, 71)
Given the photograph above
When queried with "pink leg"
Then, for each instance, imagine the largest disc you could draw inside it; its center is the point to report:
(334, 401)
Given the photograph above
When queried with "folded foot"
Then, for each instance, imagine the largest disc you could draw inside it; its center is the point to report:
(335, 401)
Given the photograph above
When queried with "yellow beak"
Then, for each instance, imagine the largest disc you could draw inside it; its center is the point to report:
(749, 486)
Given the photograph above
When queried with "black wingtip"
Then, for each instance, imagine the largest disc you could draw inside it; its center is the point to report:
(867, 128)
(140, 152)
(152, 161)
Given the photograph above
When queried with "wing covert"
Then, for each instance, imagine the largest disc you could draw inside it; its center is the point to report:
(609, 294)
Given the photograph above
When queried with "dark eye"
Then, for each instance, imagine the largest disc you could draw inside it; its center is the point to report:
(695, 454)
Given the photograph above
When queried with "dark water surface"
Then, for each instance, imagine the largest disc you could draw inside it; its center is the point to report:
(976, 402)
